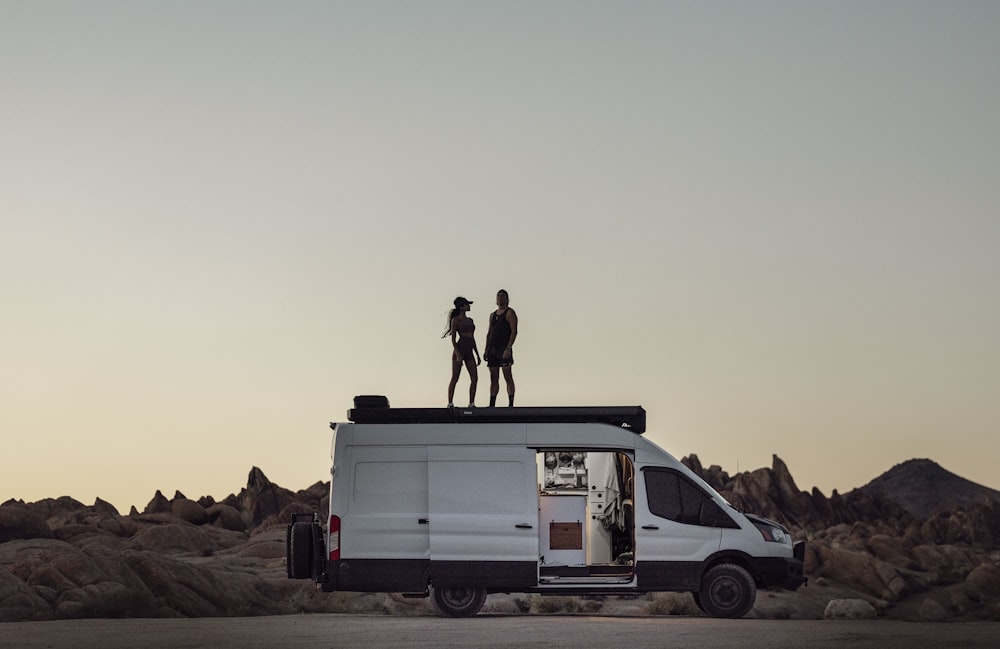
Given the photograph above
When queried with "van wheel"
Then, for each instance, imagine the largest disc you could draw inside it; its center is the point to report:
(727, 590)
(300, 551)
(697, 601)
(459, 602)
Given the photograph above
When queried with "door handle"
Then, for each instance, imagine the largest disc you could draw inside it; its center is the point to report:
(422, 521)
(650, 527)
(523, 526)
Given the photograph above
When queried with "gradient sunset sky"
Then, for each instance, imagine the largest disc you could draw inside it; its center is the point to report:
(775, 225)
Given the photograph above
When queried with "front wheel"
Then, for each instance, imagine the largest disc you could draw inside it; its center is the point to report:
(459, 602)
(727, 590)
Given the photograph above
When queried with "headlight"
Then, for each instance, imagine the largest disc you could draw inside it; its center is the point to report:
(773, 533)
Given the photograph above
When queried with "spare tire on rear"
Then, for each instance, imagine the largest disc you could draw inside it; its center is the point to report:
(300, 551)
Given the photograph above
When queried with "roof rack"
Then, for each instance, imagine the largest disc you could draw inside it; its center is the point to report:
(632, 418)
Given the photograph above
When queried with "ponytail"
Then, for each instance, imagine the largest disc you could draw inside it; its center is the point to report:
(451, 316)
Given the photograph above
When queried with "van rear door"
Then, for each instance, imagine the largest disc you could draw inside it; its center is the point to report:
(483, 506)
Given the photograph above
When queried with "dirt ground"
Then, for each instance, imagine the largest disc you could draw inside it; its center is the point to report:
(491, 631)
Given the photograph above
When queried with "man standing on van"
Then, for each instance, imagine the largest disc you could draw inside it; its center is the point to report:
(500, 347)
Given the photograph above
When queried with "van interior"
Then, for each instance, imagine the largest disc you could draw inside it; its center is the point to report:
(586, 522)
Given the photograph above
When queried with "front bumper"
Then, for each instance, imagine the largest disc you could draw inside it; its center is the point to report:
(783, 572)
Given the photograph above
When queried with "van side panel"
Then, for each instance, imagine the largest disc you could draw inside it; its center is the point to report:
(483, 516)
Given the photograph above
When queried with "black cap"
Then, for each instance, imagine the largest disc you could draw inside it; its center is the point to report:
(461, 301)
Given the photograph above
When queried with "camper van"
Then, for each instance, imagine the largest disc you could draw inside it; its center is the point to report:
(460, 503)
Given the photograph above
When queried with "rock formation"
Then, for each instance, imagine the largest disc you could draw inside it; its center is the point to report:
(60, 558)
(63, 559)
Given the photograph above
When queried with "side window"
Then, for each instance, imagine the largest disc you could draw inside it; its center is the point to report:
(672, 496)
(663, 494)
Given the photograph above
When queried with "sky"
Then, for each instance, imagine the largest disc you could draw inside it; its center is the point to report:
(774, 225)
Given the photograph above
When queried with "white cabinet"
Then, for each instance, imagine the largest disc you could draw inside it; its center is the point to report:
(598, 538)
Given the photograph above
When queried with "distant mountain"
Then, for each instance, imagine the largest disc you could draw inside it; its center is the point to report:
(923, 487)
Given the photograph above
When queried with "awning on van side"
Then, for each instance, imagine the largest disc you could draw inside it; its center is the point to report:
(631, 417)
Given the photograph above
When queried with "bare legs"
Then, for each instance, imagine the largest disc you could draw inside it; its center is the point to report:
(456, 370)
(508, 377)
(473, 380)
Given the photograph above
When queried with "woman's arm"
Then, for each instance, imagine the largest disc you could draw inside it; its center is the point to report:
(454, 335)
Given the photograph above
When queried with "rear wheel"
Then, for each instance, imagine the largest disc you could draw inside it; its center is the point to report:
(459, 602)
(727, 590)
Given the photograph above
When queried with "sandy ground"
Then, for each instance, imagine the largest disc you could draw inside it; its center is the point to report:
(491, 631)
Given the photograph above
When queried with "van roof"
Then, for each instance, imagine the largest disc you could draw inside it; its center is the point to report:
(632, 418)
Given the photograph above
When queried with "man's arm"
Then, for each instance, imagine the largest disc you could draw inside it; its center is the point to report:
(512, 321)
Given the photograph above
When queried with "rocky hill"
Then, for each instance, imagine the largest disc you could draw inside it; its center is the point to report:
(60, 558)
(923, 487)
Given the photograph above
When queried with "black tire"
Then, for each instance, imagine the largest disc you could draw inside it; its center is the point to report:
(459, 602)
(727, 590)
(300, 551)
(697, 601)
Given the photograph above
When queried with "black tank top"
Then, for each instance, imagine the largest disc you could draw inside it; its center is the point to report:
(501, 329)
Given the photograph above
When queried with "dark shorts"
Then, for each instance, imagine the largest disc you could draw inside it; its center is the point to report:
(494, 357)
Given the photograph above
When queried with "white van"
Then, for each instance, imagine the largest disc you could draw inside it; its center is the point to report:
(555, 501)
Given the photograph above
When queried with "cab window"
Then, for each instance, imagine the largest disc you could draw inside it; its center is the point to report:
(673, 496)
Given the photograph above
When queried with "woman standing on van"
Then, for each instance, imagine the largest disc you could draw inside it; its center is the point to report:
(463, 340)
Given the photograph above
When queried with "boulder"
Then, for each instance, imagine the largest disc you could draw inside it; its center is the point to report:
(102, 516)
(226, 517)
(104, 508)
(949, 563)
(59, 578)
(19, 522)
(849, 609)
(189, 591)
(189, 510)
(262, 497)
(264, 548)
(51, 507)
(932, 611)
(185, 538)
(873, 576)
(985, 578)
(889, 549)
(18, 601)
(158, 505)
